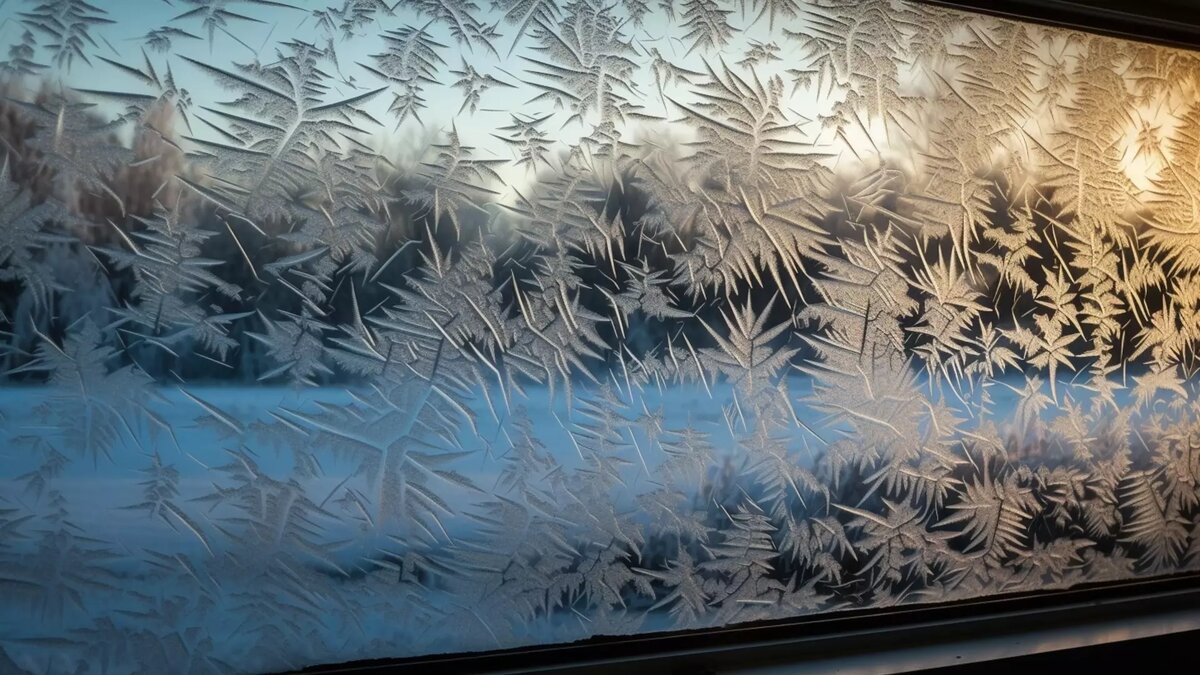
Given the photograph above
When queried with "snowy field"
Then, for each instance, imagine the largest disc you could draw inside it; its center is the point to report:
(99, 491)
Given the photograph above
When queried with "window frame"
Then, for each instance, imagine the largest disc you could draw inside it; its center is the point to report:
(898, 639)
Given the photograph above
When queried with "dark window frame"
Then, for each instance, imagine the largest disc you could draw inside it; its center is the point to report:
(902, 638)
(1171, 23)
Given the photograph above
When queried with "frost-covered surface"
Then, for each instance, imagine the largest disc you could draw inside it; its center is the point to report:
(331, 333)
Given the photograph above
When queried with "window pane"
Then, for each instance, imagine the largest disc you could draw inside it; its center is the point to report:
(342, 332)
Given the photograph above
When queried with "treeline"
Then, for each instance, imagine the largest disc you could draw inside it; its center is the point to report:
(81, 283)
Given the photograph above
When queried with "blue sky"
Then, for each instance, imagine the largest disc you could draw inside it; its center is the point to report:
(257, 37)
(258, 34)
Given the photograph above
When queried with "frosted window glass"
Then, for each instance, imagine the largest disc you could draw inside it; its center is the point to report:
(333, 332)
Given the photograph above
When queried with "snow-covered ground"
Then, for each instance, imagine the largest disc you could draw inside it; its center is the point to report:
(98, 491)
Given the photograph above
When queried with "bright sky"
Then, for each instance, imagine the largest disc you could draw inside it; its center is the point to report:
(257, 35)
(265, 26)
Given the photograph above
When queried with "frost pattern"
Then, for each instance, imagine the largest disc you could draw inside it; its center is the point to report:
(344, 329)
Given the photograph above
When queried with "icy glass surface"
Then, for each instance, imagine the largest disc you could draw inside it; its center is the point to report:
(343, 330)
